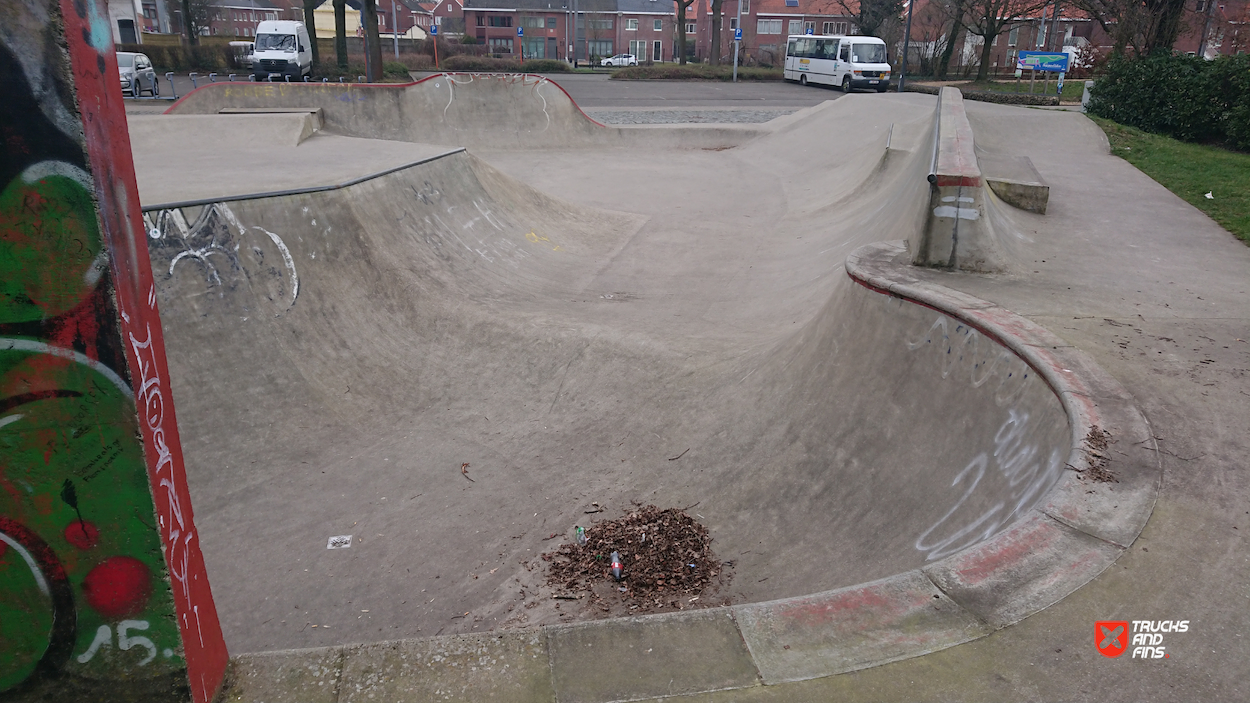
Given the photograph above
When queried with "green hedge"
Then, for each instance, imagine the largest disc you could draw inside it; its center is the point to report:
(695, 72)
(210, 57)
(1184, 97)
(487, 63)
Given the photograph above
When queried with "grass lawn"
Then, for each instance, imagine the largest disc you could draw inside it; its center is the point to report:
(1072, 88)
(1190, 171)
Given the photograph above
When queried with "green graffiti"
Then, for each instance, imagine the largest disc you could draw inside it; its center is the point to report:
(73, 472)
(49, 244)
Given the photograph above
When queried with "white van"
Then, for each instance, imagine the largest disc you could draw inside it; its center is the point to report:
(850, 62)
(281, 49)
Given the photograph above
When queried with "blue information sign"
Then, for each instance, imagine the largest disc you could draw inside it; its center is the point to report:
(1042, 61)
(738, 34)
(520, 31)
(434, 30)
(811, 30)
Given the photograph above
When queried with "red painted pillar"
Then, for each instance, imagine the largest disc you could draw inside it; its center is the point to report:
(105, 589)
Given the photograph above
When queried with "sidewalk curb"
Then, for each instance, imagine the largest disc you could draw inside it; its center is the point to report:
(1078, 531)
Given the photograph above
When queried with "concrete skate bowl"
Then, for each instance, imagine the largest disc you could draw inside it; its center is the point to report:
(496, 111)
(885, 460)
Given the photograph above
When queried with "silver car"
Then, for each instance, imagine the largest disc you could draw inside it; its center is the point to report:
(620, 60)
(137, 74)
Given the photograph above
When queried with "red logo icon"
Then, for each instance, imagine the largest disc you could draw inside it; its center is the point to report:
(1111, 637)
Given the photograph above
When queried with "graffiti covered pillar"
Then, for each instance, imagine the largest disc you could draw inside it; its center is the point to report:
(103, 593)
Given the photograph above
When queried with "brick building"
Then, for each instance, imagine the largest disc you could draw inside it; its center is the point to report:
(765, 26)
(603, 27)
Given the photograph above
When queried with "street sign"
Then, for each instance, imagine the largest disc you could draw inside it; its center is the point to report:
(811, 30)
(520, 31)
(738, 34)
(434, 30)
(1042, 61)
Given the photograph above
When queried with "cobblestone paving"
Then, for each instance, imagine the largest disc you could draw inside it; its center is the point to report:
(722, 116)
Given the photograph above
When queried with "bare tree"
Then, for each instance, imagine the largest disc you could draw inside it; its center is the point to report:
(988, 18)
(716, 27)
(374, 48)
(1142, 26)
(311, 25)
(194, 20)
(682, 6)
(957, 10)
(870, 16)
(340, 32)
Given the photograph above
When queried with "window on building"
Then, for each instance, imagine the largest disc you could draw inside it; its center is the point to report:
(768, 26)
(809, 27)
(1201, 6)
(1041, 37)
(733, 23)
(481, 20)
(500, 21)
(796, 27)
(746, 7)
(530, 22)
(500, 45)
(631, 25)
(690, 28)
(599, 47)
(659, 25)
(534, 48)
(657, 50)
(826, 28)
(551, 23)
(1013, 37)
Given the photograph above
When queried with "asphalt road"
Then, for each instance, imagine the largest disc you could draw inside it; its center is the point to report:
(598, 91)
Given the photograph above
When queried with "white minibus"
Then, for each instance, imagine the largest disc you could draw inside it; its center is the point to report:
(850, 62)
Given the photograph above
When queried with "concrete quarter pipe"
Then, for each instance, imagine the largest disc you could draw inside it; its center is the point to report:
(338, 355)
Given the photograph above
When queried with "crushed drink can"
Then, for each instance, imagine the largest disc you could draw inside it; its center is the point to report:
(617, 567)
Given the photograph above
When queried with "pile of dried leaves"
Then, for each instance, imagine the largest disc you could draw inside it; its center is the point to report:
(666, 553)
(1096, 444)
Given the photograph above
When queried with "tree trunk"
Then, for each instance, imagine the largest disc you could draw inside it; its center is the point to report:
(311, 26)
(681, 32)
(953, 38)
(340, 32)
(716, 22)
(188, 35)
(371, 38)
(987, 51)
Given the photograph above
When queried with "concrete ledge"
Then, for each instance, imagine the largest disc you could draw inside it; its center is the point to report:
(1079, 530)
(853, 628)
(646, 657)
(1031, 565)
(1016, 181)
(957, 233)
(508, 666)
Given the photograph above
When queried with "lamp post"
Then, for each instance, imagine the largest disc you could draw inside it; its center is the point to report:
(737, 39)
(902, 71)
(395, 26)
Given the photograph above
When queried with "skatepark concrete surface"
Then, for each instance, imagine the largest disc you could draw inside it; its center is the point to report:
(717, 317)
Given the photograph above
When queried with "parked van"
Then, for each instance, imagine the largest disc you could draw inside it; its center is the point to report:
(849, 62)
(241, 53)
(281, 49)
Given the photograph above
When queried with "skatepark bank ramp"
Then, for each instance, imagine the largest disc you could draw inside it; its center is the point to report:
(339, 356)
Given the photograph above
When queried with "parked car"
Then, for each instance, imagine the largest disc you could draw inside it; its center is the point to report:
(137, 74)
(620, 60)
